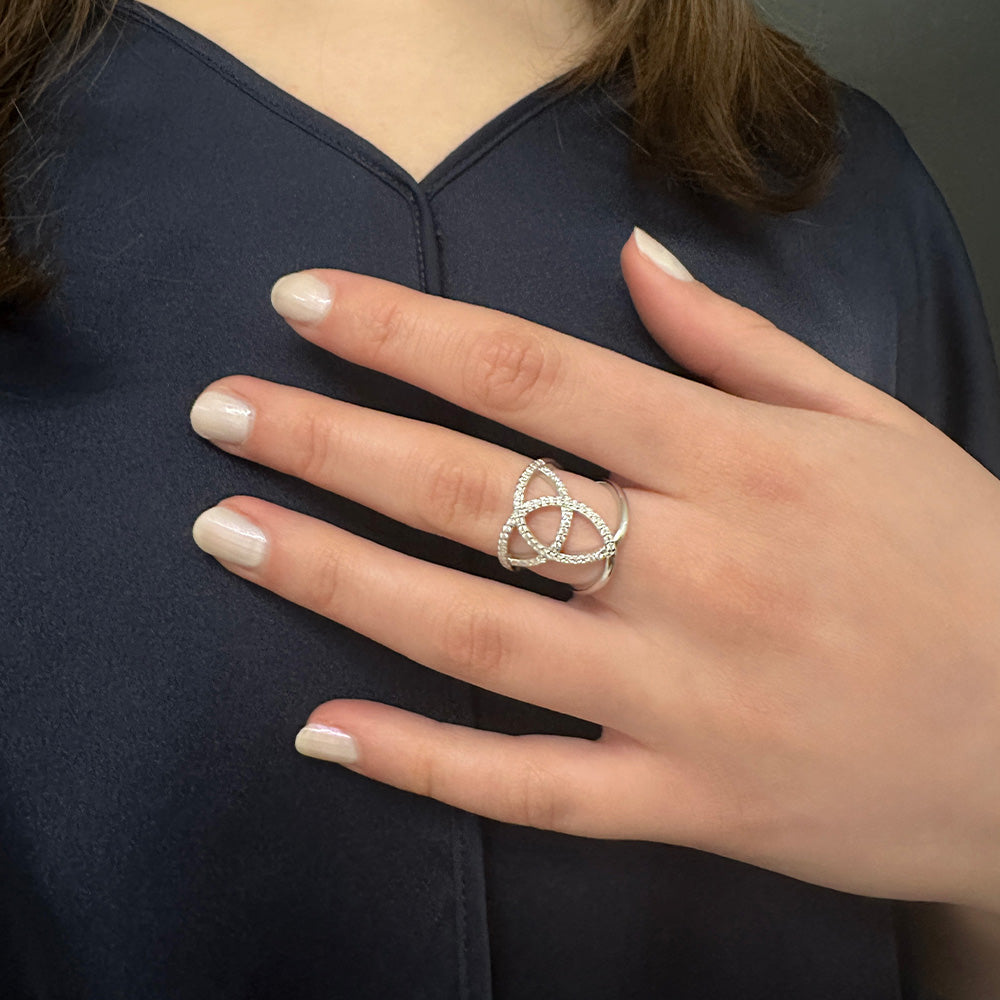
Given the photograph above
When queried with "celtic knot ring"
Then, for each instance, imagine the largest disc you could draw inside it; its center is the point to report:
(568, 507)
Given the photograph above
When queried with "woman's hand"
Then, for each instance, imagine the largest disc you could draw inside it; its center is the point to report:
(796, 661)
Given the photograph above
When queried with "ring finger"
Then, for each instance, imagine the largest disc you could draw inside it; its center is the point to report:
(430, 477)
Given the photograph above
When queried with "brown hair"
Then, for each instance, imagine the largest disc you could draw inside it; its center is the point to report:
(719, 102)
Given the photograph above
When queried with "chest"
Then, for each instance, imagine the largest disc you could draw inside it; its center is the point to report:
(413, 79)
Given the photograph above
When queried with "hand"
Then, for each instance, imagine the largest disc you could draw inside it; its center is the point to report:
(796, 661)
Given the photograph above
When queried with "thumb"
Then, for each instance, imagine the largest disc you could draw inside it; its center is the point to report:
(734, 348)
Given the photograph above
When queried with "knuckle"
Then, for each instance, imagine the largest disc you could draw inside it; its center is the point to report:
(472, 643)
(533, 799)
(760, 465)
(327, 576)
(454, 494)
(425, 778)
(508, 368)
(386, 324)
(316, 443)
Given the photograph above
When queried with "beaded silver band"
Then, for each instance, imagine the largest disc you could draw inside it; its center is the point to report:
(568, 507)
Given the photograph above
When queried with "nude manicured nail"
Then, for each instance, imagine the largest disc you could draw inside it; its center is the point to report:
(230, 536)
(326, 743)
(301, 297)
(656, 253)
(220, 417)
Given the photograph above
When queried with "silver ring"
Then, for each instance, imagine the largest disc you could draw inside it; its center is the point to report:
(568, 507)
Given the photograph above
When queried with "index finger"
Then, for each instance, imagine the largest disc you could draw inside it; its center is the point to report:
(588, 400)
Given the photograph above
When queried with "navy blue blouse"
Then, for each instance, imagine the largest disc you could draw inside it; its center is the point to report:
(159, 835)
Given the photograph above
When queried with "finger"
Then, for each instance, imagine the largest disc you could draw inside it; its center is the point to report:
(736, 349)
(582, 787)
(585, 399)
(430, 477)
(505, 639)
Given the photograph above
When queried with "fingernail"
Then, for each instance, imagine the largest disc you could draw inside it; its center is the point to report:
(659, 255)
(326, 743)
(220, 417)
(229, 536)
(301, 297)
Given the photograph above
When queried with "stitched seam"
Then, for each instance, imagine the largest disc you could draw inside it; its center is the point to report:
(461, 910)
(141, 17)
(476, 155)
(417, 217)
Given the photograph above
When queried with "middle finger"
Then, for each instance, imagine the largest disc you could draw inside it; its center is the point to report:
(586, 399)
(430, 477)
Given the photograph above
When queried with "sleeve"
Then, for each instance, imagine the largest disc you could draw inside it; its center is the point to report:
(946, 366)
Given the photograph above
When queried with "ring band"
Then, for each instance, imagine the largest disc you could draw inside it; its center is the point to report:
(568, 507)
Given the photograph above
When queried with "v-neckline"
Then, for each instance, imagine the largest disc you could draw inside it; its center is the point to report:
(283, 102)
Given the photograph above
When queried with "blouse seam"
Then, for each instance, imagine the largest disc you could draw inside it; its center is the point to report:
(141, 17)
(144, 19)
(457, 169)
(459, 860)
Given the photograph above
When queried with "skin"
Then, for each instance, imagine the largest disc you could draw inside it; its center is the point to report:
(448, 66)
(806, 594)
(415, 79)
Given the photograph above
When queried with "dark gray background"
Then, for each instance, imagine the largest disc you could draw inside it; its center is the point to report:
(936, 67)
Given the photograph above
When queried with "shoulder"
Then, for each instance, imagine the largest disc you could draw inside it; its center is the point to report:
(879, 164)
(945, 361)
(884, 190)
(865, 119)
